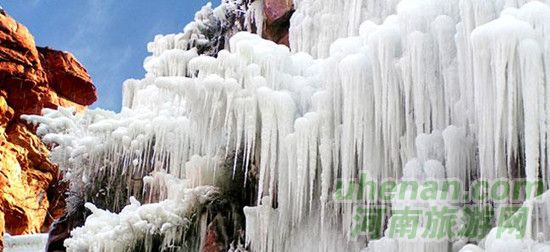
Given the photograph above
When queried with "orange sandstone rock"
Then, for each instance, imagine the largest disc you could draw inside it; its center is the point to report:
(67, 77)
(32, 78)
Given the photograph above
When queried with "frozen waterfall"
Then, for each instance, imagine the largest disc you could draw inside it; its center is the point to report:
(403, 91)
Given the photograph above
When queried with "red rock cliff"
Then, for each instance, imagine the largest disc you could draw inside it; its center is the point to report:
(31, 79)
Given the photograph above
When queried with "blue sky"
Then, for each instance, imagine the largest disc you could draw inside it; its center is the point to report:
(108, 36)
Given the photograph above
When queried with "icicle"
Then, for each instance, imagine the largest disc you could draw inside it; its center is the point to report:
(458, 154)
(496, 98)
(533, 85)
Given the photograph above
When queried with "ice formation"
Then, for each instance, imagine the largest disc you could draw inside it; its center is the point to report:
(414, 89)
(108, 231)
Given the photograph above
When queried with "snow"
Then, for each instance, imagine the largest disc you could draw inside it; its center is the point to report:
(416, 89)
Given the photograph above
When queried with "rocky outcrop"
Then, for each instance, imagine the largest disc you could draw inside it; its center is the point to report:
(277, 15)
(31, 79)
(67, 77)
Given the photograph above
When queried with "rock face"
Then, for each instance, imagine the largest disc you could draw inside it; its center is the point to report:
(67, 76)
(31, 79)
(277, 15)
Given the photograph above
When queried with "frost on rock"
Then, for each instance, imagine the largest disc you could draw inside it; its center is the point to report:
(211, 29)
(405, 91)
(136, 226)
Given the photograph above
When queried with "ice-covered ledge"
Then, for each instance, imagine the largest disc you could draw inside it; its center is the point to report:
(25, 243)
